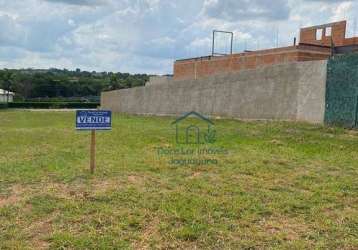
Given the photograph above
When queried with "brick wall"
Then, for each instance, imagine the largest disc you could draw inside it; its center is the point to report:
(315, 44)
(201, 67)
(338, 34)
(351, 41)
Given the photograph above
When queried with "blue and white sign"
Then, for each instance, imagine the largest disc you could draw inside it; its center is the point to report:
(93, 120)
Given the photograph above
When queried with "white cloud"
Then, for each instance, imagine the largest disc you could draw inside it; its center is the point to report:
(79, 2)
(341, 11)
(147, 35)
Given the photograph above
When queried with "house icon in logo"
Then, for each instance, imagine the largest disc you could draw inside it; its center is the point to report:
(194, 131)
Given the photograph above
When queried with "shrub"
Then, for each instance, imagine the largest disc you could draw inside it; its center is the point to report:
(3, 105)
(54, 105)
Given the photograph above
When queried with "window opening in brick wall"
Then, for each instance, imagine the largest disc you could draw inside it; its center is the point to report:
(319, 33)
(329, 31)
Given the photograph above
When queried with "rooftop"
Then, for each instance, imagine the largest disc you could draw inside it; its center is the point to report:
(4, 92)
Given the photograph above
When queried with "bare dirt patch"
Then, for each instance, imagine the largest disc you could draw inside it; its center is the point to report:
(15, 196)
(288, 228)
(39, 231)
(195, 175)
(150, 232)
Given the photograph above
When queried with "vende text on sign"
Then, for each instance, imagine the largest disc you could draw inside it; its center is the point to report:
(93, 120)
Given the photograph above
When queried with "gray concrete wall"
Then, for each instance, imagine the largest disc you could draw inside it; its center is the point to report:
(294, 91)
(311, 95)
(154, 80)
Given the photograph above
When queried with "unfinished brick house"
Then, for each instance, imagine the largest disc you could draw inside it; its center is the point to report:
(303, 82)
(316, 43)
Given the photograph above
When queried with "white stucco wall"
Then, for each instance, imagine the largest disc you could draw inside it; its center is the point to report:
(3, 98)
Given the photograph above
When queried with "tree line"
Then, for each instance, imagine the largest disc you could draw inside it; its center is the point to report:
(57, 83)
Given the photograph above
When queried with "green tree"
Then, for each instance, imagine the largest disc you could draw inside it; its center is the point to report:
(7, 79)
(58, 83)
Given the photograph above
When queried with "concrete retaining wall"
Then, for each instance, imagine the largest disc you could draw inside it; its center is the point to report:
(294, 91)
(155, 80)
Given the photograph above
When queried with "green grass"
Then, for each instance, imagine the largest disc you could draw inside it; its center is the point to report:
(281, 186)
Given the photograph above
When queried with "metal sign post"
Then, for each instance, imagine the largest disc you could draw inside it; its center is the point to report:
(93, 120)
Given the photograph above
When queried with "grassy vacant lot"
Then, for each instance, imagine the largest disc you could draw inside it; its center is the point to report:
(281, 185)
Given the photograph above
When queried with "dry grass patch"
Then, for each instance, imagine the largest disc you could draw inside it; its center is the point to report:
(289, 229)
(16, 195)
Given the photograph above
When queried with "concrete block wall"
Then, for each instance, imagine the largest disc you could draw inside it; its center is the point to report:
(154, 80)
(292, 91)
(312, 91)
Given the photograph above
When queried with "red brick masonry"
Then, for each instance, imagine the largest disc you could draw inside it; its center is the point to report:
(312, 47)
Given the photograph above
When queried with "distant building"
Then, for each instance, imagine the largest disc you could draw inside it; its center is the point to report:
(4, 95)
(316, 43)
(314, 81)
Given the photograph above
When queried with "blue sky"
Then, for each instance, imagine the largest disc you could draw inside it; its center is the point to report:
(146, 36)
